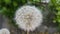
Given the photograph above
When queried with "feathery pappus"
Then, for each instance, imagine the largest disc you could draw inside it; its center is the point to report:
(28, 18)
(4, 31)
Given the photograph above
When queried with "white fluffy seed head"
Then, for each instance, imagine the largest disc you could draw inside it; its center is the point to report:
(28, 18)
(4, 31)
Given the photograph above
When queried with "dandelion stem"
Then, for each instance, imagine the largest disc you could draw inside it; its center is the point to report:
(22, 32)
(27, 32)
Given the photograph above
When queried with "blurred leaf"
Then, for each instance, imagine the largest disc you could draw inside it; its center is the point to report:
(0, 1)
(53, 1)
(58, 8)
(7, 1)
(15, 4)
(59, 20)
(58, 13)
(36, 0)
(58, 1)
(23, 1)
(4, 9)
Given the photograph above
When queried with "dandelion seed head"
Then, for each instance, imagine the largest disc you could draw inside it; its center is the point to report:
(28, 18)
(4, 31)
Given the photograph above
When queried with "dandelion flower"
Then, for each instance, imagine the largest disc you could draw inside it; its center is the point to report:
(4, 31)
(28, 18)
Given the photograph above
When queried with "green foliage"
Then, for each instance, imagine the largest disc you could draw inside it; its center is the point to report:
(34, 1)
(14, 4)
(55, 6)
(7, 1)
(8, 7)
